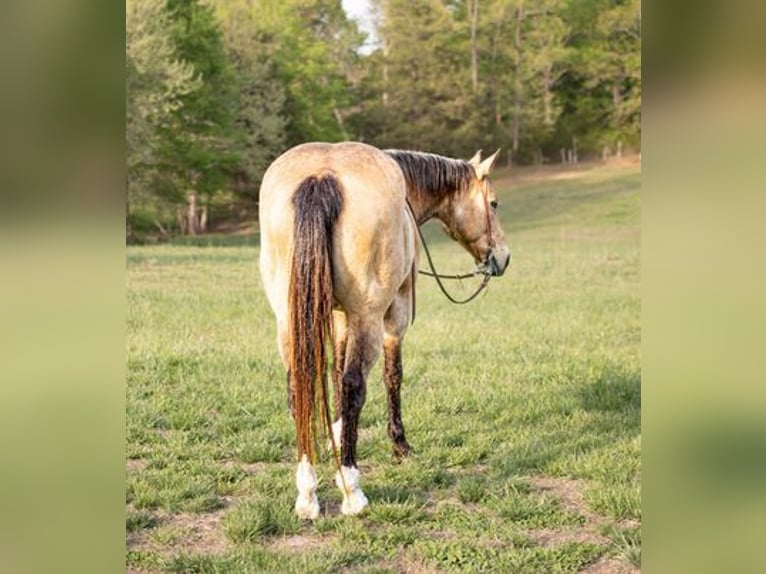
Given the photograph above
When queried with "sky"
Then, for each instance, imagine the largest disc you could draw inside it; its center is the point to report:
(361, 11)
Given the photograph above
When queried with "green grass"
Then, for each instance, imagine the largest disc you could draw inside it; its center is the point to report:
(537, 380)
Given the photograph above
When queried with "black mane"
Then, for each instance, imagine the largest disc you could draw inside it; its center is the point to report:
(433, 174)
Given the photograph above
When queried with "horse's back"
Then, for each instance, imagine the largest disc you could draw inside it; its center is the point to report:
(354, 163)
(373, 242)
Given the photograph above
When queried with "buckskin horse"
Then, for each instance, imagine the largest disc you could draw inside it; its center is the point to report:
(339, 228)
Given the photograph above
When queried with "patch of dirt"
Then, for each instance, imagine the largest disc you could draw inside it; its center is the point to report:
(254, 467)
(444, 534)
(249, 468)
(550, 537)
(136, 464)
(330, 508)
(569, 493)
(628, 524)
(606, 565)
(411, 564)
(183, 532)
(298, 543)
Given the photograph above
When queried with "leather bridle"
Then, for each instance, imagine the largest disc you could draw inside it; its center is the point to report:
(438, 276)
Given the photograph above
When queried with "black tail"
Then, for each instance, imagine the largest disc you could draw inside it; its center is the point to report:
(318, 202)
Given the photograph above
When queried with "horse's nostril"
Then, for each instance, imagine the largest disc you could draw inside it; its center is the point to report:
(495, 266)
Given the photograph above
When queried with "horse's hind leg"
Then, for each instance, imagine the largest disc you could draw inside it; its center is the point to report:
(397, 319)
(363, 347)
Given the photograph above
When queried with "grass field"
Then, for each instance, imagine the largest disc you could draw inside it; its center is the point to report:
(522, 408)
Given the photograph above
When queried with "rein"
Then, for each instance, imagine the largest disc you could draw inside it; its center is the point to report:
(438, 276)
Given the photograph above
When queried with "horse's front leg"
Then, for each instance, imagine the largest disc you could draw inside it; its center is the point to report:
(397, 319)
(362, 350)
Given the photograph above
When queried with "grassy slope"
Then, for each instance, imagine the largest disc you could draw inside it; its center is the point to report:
(523, 408)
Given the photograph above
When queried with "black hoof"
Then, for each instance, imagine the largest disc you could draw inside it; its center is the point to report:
(401, 450)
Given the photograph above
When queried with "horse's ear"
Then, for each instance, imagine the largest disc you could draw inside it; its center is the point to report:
(476, 159)
(484, 167)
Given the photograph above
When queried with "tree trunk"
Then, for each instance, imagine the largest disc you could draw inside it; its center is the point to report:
(203, 219)
(128, 226)
(547, 98)
(493, 86)
(159, 226)
(191, 214)
(341, 123)
(617, 103)
(182, 221)
(474, 10)
(384, 96)
(517, 78)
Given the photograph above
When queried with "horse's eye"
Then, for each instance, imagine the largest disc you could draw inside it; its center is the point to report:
(493, 204)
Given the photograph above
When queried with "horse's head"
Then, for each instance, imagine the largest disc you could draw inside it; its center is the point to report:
(470, 218)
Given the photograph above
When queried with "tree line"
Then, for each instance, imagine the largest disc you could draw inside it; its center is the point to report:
(216, 89)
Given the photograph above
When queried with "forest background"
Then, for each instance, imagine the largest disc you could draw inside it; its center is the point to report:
(217, 89)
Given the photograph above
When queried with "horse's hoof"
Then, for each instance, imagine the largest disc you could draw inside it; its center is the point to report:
(401, 450)
(307, 508)
(354, 500)
(354, 503)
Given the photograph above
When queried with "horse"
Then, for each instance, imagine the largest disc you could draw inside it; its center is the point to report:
(339, 227)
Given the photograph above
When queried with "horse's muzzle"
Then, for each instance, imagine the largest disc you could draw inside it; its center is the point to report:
(498, 261)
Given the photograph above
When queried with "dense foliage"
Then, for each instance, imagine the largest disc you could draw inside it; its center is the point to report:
(217, 89)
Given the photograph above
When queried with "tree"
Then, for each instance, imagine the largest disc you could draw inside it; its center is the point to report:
(426, 78)
(528, 58)
(199, 151)
(601, 93)
(157, 80)
(616, 61)
(260, 120)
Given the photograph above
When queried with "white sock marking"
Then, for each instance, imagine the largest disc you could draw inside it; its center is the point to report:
(354, 500)
(307, 504)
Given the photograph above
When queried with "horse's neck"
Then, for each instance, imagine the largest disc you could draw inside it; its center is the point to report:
(426, 206)
(431, 180)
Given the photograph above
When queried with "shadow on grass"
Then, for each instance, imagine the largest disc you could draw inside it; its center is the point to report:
(614, 397)
(613, 391)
